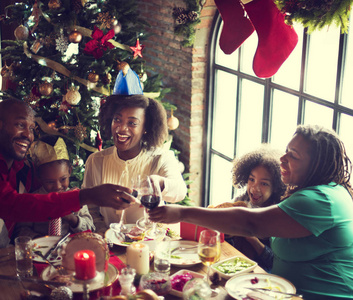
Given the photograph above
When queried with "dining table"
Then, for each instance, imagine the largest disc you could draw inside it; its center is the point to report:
(13, 290)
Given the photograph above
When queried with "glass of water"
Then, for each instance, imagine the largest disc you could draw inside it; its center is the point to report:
(23, 251)
(162, 256)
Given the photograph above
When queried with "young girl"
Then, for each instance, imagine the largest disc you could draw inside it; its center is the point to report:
(258, 171)
(51, 159)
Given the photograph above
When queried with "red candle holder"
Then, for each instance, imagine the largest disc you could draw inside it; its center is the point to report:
(85, 265)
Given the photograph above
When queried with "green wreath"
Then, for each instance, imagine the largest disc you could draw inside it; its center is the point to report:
(315, 14)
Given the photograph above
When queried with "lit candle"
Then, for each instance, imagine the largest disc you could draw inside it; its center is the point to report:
(85, 264)
(138, 258)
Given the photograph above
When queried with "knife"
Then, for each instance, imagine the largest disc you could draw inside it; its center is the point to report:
(32, 280)
(57, 245)
(273, 291)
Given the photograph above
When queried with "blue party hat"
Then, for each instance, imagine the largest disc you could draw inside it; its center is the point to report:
(127, 83)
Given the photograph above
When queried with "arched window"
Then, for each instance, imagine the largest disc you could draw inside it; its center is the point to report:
(313, 86)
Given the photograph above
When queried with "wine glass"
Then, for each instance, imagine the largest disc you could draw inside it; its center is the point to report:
(151, 196)
(120, 227)
(142, 187)
(209, 248)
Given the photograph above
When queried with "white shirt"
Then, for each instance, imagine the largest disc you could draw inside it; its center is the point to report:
(106, 167)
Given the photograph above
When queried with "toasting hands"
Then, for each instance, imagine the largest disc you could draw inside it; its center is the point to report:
(108, 195)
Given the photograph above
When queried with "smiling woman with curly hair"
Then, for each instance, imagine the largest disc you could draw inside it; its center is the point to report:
(139, 129)
(156, 129)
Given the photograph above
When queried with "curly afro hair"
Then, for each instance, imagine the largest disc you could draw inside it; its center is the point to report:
(155, 117)
(263, 156)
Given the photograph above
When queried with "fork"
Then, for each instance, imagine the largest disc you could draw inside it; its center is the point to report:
(181, 248)
(60, 269)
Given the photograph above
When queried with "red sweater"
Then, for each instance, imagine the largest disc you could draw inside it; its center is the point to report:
(17, 207)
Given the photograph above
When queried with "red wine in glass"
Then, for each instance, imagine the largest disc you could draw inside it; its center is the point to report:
(150, 201)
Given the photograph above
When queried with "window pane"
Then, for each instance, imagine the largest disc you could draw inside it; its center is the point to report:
(250, 117)
(318, 114)
(223, 122)
(248, 49)
(322, 63)
(347, 91)
(345, 132)
(226, 60)
(284, 119)
(221, 180)
(292, 65)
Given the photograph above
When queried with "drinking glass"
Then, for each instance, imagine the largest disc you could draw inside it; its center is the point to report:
(162, 256)
(209, 248)
(151, 196)
(158, 282)
(23, 251)
(120, 227)
(140, 185)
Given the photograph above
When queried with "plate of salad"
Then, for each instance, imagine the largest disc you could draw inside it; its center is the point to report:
(233, 266)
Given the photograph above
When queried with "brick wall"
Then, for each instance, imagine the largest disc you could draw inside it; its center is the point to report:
(185, 70)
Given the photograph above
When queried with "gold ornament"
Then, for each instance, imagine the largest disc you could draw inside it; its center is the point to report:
(75, 36)
(124, 66)
(80, 132)
(21, 33)
(72, 96)
(46, 88)
(52, 125)
(116, 25)
(93, 77)
(54, 4)
(173, 122)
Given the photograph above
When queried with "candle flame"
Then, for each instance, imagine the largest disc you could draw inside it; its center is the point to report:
(138, 245)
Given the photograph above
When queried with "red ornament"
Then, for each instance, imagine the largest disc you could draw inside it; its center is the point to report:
(137, 49)
(99, 42)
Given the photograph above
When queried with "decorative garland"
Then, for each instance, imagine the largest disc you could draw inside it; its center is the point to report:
(186, 19)
(315, 14)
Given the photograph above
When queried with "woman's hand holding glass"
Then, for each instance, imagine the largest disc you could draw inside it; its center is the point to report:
(142, 187)
(151, 197)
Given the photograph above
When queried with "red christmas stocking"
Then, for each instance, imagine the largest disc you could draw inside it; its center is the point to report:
(276, 39)
(236, 26)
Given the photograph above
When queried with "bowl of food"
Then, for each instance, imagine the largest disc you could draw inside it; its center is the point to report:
(234, 266)
(157, 282)
(180, 278)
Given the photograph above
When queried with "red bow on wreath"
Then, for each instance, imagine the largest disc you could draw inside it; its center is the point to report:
(99, 42)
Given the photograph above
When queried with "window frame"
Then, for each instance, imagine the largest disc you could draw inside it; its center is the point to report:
(269, 87)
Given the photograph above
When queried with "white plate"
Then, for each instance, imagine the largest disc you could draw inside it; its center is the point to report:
(242, 271)
(181, 272)
(44, 244)
(237, 285)
(77, 287)
(112, 237)
(184, 258)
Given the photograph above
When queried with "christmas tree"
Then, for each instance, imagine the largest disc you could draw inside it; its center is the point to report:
(64, 62)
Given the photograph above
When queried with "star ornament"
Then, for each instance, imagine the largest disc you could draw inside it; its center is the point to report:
(137, 49)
